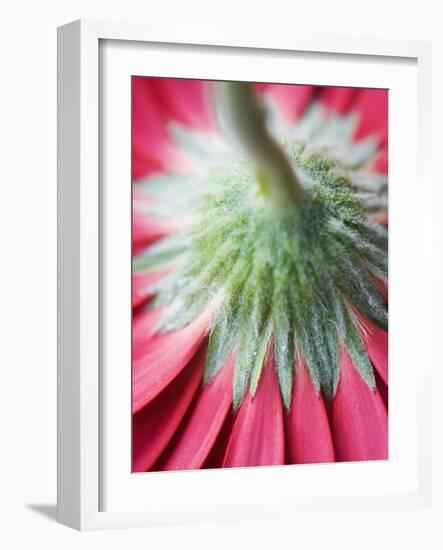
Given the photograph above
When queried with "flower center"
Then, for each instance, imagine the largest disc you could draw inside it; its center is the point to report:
(291, 280)
(278, 243)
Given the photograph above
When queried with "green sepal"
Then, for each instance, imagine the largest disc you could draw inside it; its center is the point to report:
(183, 312)
(366, 296)
(221, 345)
(160, 254)
(333, 345)
(361, 153)
(164, 188)
(358, 353)
(196, 144)
(325, 351)
(284, 345)
(243, 368)
(260, 357)
(370, 181)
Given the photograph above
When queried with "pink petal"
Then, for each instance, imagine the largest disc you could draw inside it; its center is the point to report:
(257, 438)
(383, 389)
(217, 454)
(141, 285)
(146, 230)
(372, 105)
(144, 325)
(155, 424)
(376, 341)
(166, 356)
(381, 164)
(360, 419)
(142, 167)
(292, 99)
(152, 150)
(308, 434)
(197, 435)
(382, 219)
(337, 99)
(186, 101)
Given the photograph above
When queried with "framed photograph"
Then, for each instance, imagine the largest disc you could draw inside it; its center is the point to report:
(234, 219)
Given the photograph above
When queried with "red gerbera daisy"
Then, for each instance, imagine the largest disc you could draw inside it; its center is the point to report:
(260, 272)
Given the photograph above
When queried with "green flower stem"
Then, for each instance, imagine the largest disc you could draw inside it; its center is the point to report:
(276, 178)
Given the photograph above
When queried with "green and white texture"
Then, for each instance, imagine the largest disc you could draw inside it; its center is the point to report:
(290, 277)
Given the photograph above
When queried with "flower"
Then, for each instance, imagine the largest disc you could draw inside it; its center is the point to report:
(259, 314)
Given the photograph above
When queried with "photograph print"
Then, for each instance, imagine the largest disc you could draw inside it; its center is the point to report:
(259, 274)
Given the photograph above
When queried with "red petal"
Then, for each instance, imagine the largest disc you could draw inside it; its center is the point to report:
(166, 356)
(360, 419)
(152, 150)
(197, 435)
(381, 164)
(186, 101)
(144, 325)
(376, 341)
(308, 434)
(155, 424)
(372, 105)
(141, 285)
(291, 98)
(216, 456)
(382, 219)
(257, 438)
(383, 389)
(337, 98)
(146, 230)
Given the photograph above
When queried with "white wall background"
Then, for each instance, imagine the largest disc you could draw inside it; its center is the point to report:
(28, 267)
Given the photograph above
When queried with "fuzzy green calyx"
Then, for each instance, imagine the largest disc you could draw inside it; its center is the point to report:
(294, 280)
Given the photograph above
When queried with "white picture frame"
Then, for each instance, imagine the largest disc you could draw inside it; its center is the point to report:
(83, 442)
